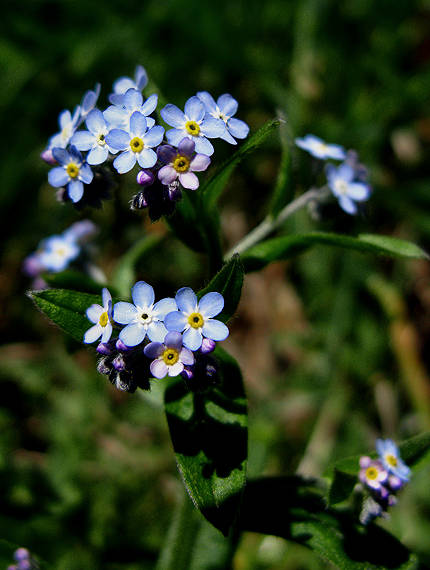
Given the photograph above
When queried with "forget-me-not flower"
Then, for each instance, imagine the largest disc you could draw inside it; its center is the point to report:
(169, 356)
(57, 252)
(94, 140)
(194, 318)
(372, 474)
(194, 123)
(390, 457)
(320, 149)
(68, 124)
(73, 172)
(101, 317)
(136, 143)
(89, 101)
(143, 318)
(123, 84)
(118, 115)
(344, 187)
(224, 109)
(181, 164)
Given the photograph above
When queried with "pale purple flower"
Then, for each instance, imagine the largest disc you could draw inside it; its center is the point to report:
(101, 317)
(181, 164)
(372, 473)
(169, 356)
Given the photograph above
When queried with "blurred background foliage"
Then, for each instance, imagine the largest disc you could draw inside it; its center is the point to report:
(333, 345)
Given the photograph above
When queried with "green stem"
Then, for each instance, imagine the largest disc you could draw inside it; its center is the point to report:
(270, 223)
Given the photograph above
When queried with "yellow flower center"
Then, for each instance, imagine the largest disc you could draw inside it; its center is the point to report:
(391, 460)
(136, 144)
(104, 319)
(195, 320)
(371, 473)
(192, 128)
(101, 139)
(181, 163)
(72, 170)
(170, 356)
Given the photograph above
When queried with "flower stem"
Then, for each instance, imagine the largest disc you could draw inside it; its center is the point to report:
(270, 223)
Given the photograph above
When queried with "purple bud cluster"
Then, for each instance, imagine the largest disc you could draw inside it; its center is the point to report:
(382, 478)
(24, 560)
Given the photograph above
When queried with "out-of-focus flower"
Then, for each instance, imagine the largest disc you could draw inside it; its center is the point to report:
(101, 317)
(224, 109)
(181, 164)
(94, 140)
(194, 318)
(372, 473)
(144, 318)
(390, 457)
(170, 356)
(320, 149)
(73, 172)
(343, 186)
(58, 251)
(194, 123)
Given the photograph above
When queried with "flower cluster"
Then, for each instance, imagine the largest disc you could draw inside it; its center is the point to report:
(55, 253)
(383, 478)
(125, 134)
(173, 333)
(348, 181)
(24, 560)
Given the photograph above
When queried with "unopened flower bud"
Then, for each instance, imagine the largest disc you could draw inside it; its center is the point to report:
(175, 192)
(208, 345)
(104, 348)
(119, 363)
(187, 373)
(103, 366)
(139, 202)
(47, 156)
(145, 177)
(21, 554)
(210, 370)
(121, 346)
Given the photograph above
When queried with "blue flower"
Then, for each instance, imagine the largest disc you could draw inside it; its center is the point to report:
(119, 114)
(372, 474)
(123, 84)
(144, 318)
(390, 458)
(195, 319)
(101, 317)
(57, 252)
(169, 356)
(68, 124)
(94, 139)
(73, 172)
(80, 231)
(319, 149)
(89, 101)
(224, 109)
(137, 143)
(195, 124)
(343, 186)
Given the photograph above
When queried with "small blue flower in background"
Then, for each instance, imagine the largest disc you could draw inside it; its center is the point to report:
(137, 143)
(391, 460)
(143, 318)
(101, 317)
(224, 109)
(123, 84)
(341, 181)
(119, 114)
(181, 164)
(73, 172)
(194, 123)
(194, 318)
(57, 253)
(170, 356)
(320, 149)
(68, 124)
(94, 140)
(372, 473)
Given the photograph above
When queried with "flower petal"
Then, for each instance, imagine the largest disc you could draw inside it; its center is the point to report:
(358, 191)
(174, 136)
(58, 177)
(207, 100)
(212, 127)
(86, 174)
(189, 180)
(192, 339)
(199, 163)
(175, 321)
(237, 128)
(75, 189)
(166, 153)
(107, 332)
(97, 155)
(125, 162)
(163, 307)
(147, 158)
(186, 147)
(154, 349)
(142, 294)
(137, 123)
(95, 121)
(347, 205)
(132, 98)
(186, 300)
(83, 140)
(175, 369)
(186, 356)
(203, 146)
(211, 304)
(92, 334)
(116, 116)
(133, 334)
(167, 174)
(173, 340)
(227, 104)
(194, 109)
(157, 331)
(124, 313)
(173, 116)
(106, 297)
(154, 136)
(150, 105)
(94, 312)
(215, 330)
(118, 139)
(158, 368)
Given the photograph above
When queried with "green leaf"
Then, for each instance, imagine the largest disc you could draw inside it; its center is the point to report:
(208, 427)
(283, 187)
(66, 309)
(214, 187)
(124, 275)
(284, 247)
(185, 223)
(294, 508)
(71, 279)
(228, 281)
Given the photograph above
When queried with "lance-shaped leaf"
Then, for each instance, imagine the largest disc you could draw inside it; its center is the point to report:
(228, 281)
(284, 247)
(65, 308)
(208, 425)
(414, 452)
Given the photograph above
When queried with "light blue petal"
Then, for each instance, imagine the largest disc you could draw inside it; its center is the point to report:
(124, 162)
(124, 313)
(192, 339)
(83, 140)
(137, 124)
(157, 331)
(150, 122)
(133, 334)
(92, 334)
(237, 128)
(186, 300)
(61, 155)
(75, 189)
(142, 294)
(346, 172)
(174, 136)
(95, 121)
(173, 116)
(154, 136)
(211, 304)
(115, 116)
(336, 152)
(58, 177)
(118, 139)
(212, 127)
(186, 356)
(207, 100)
(116, 99)
(203, 146)
(153, 349)
(227, 137)
(158, 368)
(194, 109)
(347, 205)
(358, 191)
(173, 339)
(132, 99)
(150, 105)
(106, 297)
(215, 330)
(227, 104)
(97, 155)
(123, 84)
(86, 174)
(163, 307)
(140, 77)
(107, 332)
(175, 321)
(147, 158)
(94, 312)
